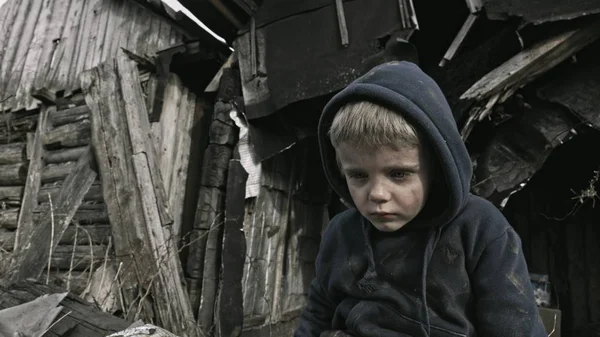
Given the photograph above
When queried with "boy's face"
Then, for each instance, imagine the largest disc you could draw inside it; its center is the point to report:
(388, 186)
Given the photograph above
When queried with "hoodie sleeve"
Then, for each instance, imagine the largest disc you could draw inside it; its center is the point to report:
(505, 305)
(318, 313)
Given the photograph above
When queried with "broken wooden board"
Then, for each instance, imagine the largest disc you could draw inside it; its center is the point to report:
(32, 318)
(38, 244)
(499, 84)
(34, 179)
(77, 318)
(134, 195)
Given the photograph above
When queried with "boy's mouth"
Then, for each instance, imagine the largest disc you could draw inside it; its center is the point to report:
(382, 215)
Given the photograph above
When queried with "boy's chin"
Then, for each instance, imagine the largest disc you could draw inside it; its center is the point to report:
(388, 226)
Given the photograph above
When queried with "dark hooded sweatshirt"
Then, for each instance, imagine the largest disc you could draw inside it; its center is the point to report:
(457, 269)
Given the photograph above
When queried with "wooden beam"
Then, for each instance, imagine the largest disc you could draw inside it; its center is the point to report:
(532, 62)
(230, 309)
(31, 256)
(34, 179)
(499, 84)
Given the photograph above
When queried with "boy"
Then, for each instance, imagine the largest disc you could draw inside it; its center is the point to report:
(417, 254)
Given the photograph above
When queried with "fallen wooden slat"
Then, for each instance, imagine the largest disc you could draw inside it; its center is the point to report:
(132, 189)
(229, 317)
(521, 69)
(32, 185)
(32, 255)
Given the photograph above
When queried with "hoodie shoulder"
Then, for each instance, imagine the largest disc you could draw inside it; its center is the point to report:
(480, 223)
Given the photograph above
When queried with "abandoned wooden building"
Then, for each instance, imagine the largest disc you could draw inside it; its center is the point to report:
(159, 174)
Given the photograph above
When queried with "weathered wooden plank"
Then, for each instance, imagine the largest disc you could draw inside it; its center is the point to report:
(75, 281)
(210, 276)
(70, 101)
(82, 30)
(7, 17)
(119, 132)
(12, 153)
(111, 44)
(64, 155)
(214, 171)
(95, 33)
(83, 235)
(30, 262)
(230, 309)
(54, 36)
(32, 58)
(80, 318)
(11, 193)
(154, 203)
(57, 172)
(10, 43)
(209, 216)
(8, 217)
(521, 69)
(140, 131)
(104, 32)
(179, 180)
(93, 195)
(34, 179)
(69, 135)
(165, 131)
(13, 174)
(102, 95)
(70, 115)
(22, 47)
(527, 65)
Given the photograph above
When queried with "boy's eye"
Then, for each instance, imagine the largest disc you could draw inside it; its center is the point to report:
(398, 174)
(356, 175)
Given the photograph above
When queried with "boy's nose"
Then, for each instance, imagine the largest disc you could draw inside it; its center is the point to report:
(379, 193)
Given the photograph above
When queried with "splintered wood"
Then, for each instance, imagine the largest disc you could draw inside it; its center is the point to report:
(150, 271)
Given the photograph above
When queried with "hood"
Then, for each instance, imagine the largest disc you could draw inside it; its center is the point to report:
(404, 87)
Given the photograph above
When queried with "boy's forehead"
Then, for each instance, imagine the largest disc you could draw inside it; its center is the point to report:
(355, 153)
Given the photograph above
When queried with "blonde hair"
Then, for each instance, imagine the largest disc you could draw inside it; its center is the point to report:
(370, 125)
